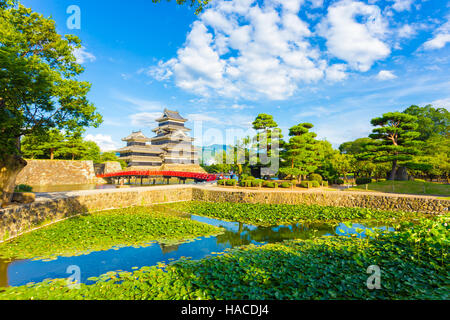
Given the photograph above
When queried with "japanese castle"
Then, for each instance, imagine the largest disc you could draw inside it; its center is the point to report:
(170, 149)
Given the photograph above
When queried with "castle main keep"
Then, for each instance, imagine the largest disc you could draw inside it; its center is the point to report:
(170, 149)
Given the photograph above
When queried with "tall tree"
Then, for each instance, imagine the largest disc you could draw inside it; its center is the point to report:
(354, 147)
(431, 121)
(268, 140)
(93, 152)
(74, 147)
(39, 86)
(301, 153)
(394, 140)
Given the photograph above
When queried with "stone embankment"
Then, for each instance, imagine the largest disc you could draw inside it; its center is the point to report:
(53, 207)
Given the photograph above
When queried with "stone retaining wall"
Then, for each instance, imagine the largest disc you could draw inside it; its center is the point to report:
(54, 207)
(327, 198)
(57, 172)
(58, 206)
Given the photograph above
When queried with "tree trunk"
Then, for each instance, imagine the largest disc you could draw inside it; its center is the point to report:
(10, 166)
(393, 171)
(52, 153)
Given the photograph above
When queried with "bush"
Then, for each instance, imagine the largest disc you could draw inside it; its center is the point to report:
(23, 188)
(325, 183)
(305, 184)
(221, 182)
(339, 181)
(245, 183)
(256, 183)
(315, 184)
(315, 177)
(360, 181)
(310, 184)
(286, 184)
(270, 184)
(231, 182)
(419, 180)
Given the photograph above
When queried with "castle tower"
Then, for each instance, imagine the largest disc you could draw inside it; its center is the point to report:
(138, 154)
(172, 137)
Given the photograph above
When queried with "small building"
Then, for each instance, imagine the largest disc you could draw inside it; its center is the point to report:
(170, 149)
(138, 153)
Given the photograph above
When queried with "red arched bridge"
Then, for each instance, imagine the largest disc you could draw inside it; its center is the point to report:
(183, 176)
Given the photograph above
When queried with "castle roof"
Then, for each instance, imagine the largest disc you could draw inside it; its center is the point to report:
(137, 136)
(145, 149)
(171, 115)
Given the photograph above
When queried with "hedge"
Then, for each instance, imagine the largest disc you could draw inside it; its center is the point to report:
(360, 181)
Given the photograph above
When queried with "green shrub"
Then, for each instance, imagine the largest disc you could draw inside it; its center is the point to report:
(256, 183)
(325, 183)
(23, 188)
(315, 184)
(245, 183)
(310, 184)
(305, 184)
(315, 177)
(270, 184)
(339, 181)
(419, 180)
(286, 184)
(360, 181)
(221, 182)
(231, 182)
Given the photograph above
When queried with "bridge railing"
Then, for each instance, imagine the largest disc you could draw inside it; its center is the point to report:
(176, 174)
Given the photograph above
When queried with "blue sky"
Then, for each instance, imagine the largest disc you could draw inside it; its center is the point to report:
(336, 64)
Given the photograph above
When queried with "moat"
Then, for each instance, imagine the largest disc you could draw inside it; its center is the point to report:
(21, 272)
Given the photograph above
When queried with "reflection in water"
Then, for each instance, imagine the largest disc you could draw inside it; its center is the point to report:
(22, 272)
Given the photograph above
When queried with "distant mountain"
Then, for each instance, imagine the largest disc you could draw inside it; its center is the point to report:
(214, 148)
(208, 152)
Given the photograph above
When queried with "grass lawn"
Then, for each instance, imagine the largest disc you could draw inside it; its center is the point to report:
(407, 187)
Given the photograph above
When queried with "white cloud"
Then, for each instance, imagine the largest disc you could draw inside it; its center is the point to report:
(442, 103)
(162, 71)
(402, 5)
(385, 75)
(406, 31)
(144, 119)
(441, 37)
(316, 3)
(236, 120)
(336, 72)
(314, 112)
(271, 56)
(202, 117)
(240, 106)
(359, 44)
(138, 103)
(105, 142)
(83, 56)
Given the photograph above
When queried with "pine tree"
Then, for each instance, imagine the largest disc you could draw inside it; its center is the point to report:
(268, 140)
(394, 140)
(301, 152)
